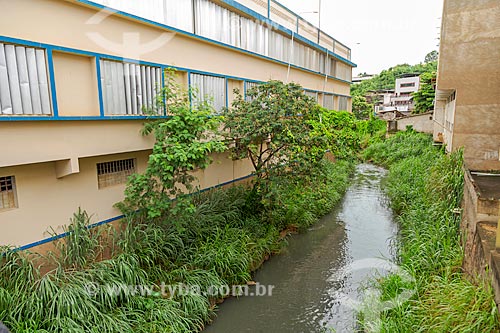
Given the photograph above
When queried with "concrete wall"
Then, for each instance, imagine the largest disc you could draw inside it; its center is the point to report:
(469, 64)
(420, 123)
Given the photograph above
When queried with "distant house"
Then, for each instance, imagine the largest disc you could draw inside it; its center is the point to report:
(405, 87)
(359, 79)
(400, 99)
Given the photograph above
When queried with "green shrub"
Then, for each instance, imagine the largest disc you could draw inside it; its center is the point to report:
(425, 187)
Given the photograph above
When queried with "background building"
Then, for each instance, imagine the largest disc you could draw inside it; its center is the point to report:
(75, 76)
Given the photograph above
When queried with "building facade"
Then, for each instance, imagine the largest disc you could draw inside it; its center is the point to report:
(467, 107)
(76, 75)
(399, 100)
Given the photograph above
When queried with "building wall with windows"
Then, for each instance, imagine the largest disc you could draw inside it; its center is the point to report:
(467, 109)
(76, 77)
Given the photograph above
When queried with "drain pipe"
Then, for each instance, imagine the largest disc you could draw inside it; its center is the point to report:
(290, 57)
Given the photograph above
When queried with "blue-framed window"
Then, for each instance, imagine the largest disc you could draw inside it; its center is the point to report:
(24, 81)
(208, 88)
(128, 88)
(312, 94)
(343, 103)
(329, 101)
(250, 85)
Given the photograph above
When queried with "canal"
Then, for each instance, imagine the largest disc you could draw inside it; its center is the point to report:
(320, 273)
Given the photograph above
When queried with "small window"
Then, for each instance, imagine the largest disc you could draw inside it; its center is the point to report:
(7, 193)
(114, 172)
(407, 85)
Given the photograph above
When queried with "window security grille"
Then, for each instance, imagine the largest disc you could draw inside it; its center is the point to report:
(7, 193)
(115, 172)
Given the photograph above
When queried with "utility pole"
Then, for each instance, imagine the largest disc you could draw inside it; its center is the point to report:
(319, 21)
(319, 15)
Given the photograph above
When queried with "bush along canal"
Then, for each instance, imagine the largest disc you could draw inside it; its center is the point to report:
(319, 278)
(425, 187)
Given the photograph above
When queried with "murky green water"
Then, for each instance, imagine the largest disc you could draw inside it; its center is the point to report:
(316, 277)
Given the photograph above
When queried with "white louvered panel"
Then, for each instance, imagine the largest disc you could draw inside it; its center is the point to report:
(43, 84)
(322, 63)
(139, 97)
(250, 85)
(5, 99)
(209, 88)
(144, 88)
(115, 88)
(33, 81)
(23, 81)
(133, 89)
(342, 103)
(235, 29)
(328, 102)
(149, 87)
(179, 14)
(128, 88)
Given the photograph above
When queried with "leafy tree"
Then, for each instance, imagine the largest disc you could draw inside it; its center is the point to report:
(272, 129)
(361, 108)
(424, 98)
(345, 134)
(183, 144)
(431, 56)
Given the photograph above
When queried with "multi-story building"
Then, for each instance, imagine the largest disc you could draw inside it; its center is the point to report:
(75, 76)
(403, 97)
(389, 104)
(467, 108)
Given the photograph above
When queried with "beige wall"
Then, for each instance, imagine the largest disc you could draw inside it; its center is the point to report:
(231, 85)
(43, 141)
(76, 85)
(45, 202)
(420, 123)
(470, 64)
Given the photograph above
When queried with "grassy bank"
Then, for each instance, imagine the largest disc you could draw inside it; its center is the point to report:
(425, 187)
(218, 243)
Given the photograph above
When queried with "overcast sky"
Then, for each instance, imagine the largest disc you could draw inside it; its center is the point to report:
(380, 33)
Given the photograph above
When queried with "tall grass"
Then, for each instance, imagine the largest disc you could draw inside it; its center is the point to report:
(217, 243)
(425, 187)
